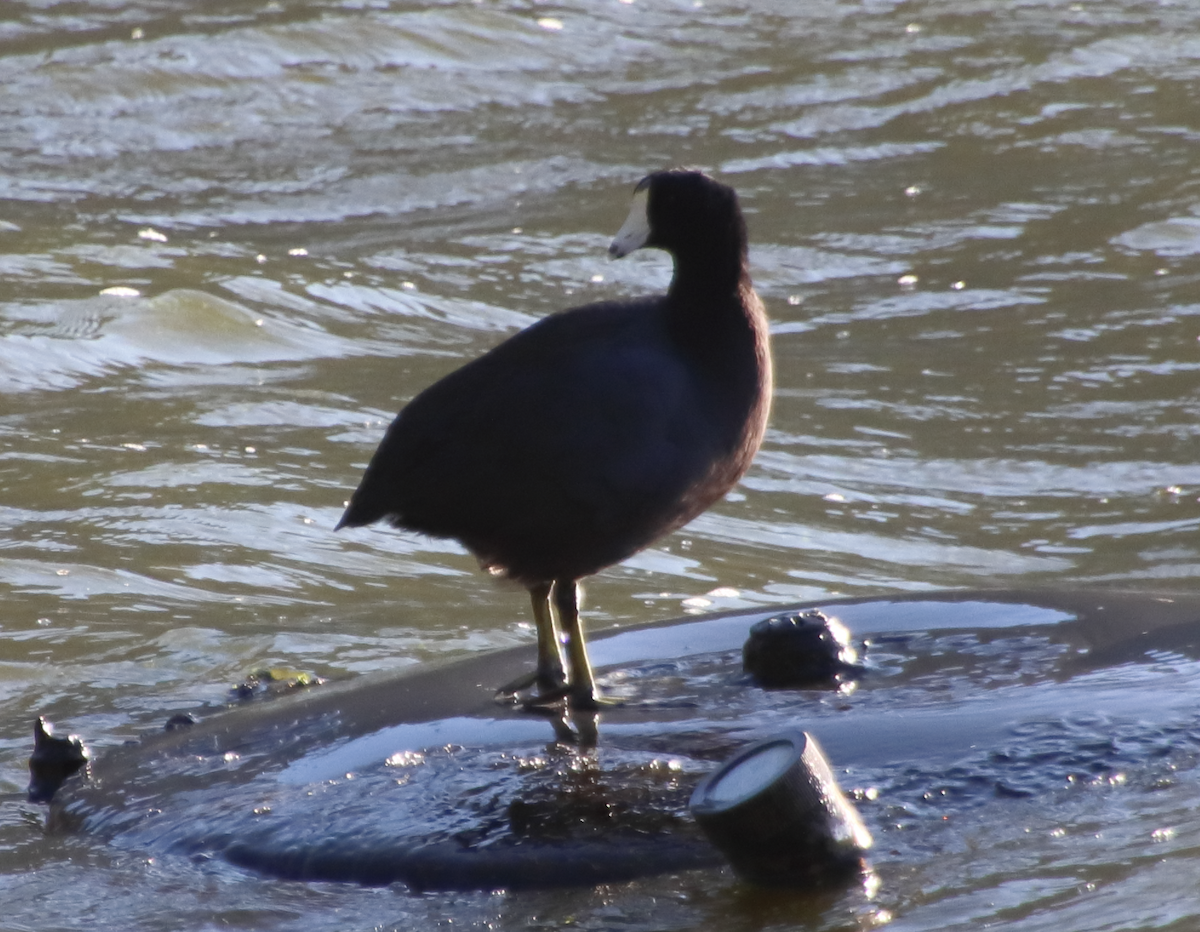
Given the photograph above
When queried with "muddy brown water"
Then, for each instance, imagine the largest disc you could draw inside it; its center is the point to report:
(235, 238)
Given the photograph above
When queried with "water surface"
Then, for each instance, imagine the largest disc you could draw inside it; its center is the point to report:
(235, 239)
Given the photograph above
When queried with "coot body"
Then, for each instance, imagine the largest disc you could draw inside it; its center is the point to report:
(582, 439)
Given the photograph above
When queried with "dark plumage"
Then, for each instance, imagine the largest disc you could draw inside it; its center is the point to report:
(587, 436)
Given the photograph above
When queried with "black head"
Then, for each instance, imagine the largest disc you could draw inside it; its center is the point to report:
(685, 213)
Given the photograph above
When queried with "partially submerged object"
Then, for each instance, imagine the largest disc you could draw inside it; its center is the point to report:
(421, 778)
(799, 649)
(52, 761)
(776, 811)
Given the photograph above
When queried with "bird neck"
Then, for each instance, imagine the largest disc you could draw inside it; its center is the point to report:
(719, 321)
(709, 275)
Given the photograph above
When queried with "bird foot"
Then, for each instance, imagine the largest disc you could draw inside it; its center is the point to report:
(531, 691)
(520, 692)
(589, 700)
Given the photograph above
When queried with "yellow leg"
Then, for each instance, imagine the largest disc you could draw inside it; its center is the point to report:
(550, 675)
(548, 680)
(581, 684)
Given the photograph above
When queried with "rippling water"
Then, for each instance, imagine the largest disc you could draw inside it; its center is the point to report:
(235, 239)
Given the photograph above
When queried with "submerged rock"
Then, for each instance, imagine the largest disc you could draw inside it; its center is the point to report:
(974, 699)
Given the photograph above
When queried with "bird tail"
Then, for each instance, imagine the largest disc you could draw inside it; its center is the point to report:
(356, 515)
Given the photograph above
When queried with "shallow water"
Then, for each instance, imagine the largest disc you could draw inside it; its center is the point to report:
(235, 239)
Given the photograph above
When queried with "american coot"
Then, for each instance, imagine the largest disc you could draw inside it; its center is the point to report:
(586, 437)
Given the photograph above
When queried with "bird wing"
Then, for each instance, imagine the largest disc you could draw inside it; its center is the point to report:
(579, 424)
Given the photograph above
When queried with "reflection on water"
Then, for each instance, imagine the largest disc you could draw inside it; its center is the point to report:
(975, 227)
